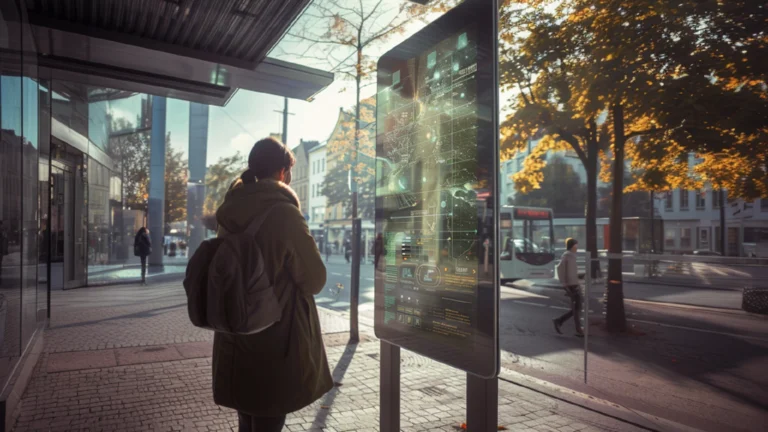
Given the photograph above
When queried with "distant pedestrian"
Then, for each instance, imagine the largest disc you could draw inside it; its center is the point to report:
(142, 247)
(283, 368)
(378, 250)
(347, 250)
(568, 274)
(328, 252)
(3, 247)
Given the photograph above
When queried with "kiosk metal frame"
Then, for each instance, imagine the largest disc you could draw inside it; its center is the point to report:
(482, 370)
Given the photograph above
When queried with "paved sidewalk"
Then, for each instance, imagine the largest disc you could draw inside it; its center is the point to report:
(126, 358)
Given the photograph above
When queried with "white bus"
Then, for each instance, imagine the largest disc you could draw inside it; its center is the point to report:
(527, 236)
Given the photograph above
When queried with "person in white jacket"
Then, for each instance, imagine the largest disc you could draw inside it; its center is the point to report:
(568, 274)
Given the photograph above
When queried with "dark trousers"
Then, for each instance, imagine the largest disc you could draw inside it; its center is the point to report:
(143, 268)
(575, 312)
(249, 423)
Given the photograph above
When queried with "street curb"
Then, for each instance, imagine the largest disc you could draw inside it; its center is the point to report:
(169, 277)
(694, 307)
(645, 281)
(651, 302)
(592, 403)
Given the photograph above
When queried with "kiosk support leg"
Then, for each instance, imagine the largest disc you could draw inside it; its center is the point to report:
(389, 391)
(482, 404)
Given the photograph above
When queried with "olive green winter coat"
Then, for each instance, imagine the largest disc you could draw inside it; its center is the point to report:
(283, 368)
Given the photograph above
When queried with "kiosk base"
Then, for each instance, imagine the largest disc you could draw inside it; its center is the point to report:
(389, 388)
(482, 404)
(482, 396)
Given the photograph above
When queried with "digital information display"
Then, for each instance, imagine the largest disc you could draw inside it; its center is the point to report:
(436, 153)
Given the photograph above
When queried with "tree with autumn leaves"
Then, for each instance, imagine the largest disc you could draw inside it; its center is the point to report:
(345, 37)
(343, 168)
(638, 84)
(131, 151)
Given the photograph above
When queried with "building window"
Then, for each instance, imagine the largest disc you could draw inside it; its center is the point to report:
(701, 200)
(685, 238)
(668, 201)
(715, 199)
(323, 168)
(669, 237)
(683, 199)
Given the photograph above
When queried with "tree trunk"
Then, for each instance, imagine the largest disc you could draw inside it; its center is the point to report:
(615, 317)
(354, 293)
(591, 211)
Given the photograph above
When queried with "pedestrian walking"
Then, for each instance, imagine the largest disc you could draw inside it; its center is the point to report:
(347, 250)
(142, 247)
(568, 274)
(378, 250)
(3, 247)
(283, 368)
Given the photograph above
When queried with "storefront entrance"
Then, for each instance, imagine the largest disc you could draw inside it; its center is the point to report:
(68, 228)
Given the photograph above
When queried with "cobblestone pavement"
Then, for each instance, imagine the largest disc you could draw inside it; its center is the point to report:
(140, 389)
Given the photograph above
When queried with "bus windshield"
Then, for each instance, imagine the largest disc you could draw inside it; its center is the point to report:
(532, 236)
(527, 231)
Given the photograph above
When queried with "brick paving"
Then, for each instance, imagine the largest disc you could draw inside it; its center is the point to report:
(127, 359)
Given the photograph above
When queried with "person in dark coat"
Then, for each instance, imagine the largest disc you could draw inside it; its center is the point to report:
(266, 375)
(142, 247)
(378, 250)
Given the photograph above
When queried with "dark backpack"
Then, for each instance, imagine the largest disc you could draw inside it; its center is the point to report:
(228, 289)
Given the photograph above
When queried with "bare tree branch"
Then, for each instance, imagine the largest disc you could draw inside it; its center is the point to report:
(573, 142)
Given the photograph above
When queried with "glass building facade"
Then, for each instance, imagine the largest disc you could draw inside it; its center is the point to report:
(24, 160)
(74, 187)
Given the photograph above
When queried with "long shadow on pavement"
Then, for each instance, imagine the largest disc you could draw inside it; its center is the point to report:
(338, 374)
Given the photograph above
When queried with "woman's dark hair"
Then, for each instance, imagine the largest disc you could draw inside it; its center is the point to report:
(142, 230)
(268, 156)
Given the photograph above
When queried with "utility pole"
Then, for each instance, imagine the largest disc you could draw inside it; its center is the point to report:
(653, 223)
(722, 222)
(285, 113)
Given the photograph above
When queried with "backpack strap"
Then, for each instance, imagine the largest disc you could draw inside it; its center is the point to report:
(255, 225)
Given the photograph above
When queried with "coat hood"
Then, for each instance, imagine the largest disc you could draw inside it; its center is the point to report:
(244, 202)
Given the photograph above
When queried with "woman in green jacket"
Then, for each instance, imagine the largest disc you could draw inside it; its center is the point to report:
(282, 369)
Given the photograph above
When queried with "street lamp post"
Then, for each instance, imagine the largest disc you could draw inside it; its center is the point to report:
(722, 221)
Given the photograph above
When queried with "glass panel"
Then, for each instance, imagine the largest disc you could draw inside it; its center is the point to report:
(668, 336)
(11, 139)
(30, 234)
(44, 191)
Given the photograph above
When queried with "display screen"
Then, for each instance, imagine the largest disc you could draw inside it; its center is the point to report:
(432, 199)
